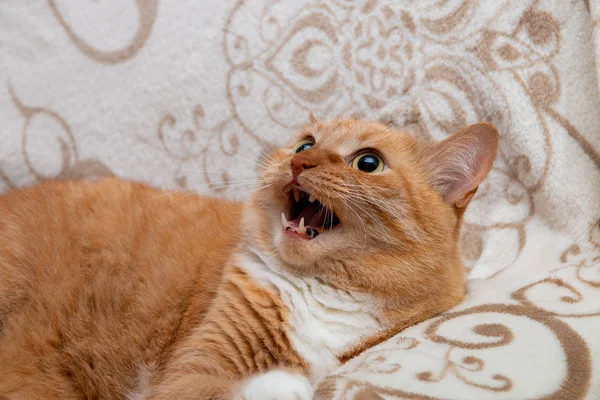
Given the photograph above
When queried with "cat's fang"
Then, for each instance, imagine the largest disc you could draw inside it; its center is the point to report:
(284, 221)
(296, 195)
(311, 198)
(301, 226)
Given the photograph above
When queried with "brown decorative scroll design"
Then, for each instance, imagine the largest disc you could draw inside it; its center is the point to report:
(184, 146)
(68, 148)
(147, 10)
(469, 363)
(543, 30)
(573, 296)
(587, 147)
(72, 167)
(499, 331)
(9, 183)
(578, 358)
(375, 361)
(187, 137)
(582, 263)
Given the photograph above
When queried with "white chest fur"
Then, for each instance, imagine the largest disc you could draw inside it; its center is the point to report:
(324, 322)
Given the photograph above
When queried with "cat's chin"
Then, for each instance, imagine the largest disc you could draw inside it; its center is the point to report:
(295, 249)
(296, 252)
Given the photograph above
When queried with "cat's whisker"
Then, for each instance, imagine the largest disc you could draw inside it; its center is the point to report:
(217, 172)
(257, 163)
(263, 154)
(242, 179)
(366, 197)
(382, 207)
(211, 187)
(380, 204)
(269, 157)
(169, 193)
(359, 219)
(331, 192)
(371, 200)
(214, 188)
(269, 162)
(376, 221)
(350, 206)
(327, 211)
(265, 201)
(367, 186)
(183, 197)
(397, 216)
(225, 183)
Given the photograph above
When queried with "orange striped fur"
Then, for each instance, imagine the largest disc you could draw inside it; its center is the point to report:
(115, 290)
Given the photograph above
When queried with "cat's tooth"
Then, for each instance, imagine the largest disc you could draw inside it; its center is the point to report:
(284, 221)
(311, 198)
(297, 195)
(301, 226)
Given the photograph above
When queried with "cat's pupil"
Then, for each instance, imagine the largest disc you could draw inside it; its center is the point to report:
(368, 163)
(305, 146)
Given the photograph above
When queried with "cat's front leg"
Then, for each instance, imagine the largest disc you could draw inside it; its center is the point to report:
(277, 384)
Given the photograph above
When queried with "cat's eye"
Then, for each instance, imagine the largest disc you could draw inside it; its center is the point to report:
(304, 145)
(369, 162)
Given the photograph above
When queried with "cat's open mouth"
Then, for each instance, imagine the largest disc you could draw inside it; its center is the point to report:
(306, 216)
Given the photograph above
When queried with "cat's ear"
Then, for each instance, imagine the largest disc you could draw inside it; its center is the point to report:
(313, 119)
(459, 164)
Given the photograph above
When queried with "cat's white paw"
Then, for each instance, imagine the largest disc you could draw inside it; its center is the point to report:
(277, 385)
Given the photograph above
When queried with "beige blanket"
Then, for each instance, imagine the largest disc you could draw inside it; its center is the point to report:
(183, 94)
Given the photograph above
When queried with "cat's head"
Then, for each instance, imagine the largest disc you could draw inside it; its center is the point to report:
(361, 205)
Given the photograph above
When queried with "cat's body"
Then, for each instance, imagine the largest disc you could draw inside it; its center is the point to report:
(113, 289)
(97, 281)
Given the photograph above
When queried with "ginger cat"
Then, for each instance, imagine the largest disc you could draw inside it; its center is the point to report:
(111, 290)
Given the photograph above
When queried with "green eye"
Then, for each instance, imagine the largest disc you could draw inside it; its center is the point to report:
(304, 145)
(368, 162)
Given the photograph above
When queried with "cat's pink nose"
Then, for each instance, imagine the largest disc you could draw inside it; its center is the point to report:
(300, 163)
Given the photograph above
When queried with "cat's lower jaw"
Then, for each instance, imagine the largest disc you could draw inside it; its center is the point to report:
(276, 385)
